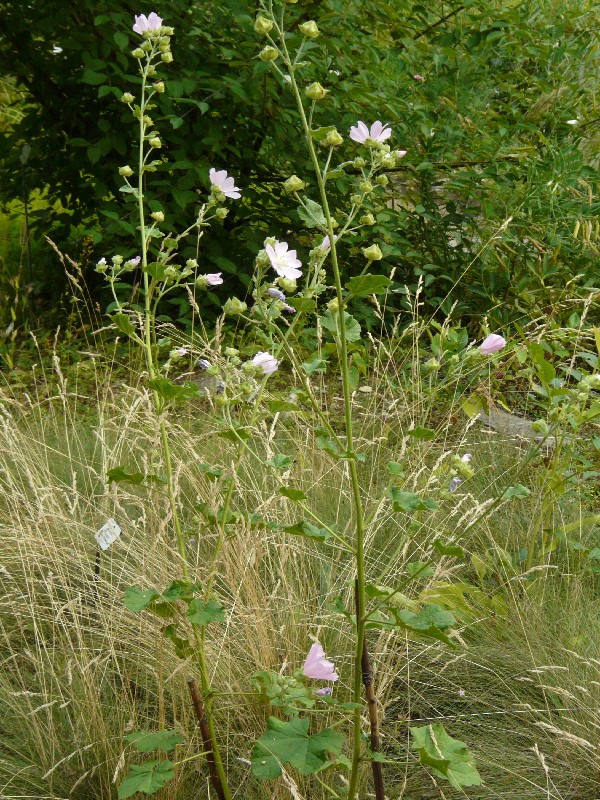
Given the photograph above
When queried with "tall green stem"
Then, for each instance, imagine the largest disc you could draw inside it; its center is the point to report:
(164, 435)
(359, 545)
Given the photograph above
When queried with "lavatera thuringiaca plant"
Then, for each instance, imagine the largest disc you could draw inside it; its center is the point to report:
(343, 757)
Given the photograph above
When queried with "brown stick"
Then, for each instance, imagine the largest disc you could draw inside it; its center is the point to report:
(205, 733)
(367, 679)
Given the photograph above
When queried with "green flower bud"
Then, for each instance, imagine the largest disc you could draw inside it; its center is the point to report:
(382, 180)
(158, 216)
(167, 58)
(231, 352)
(117, 260)
(269, 53)
(138, 53)
(191, 263)
(221, 213)
(367, 219)
(263, 25)
(147, 120)
(146, 46)
(125, 171)
(355, 199)
(315, 91)
(155, 142)
(309, 29)
(235, 306)
(366, 187)
(171, 273)
(288, 285)
(151, 70)
(540, 426)
(294, 184)
(127, 98)
(359, 162)
(333, 139)
(432, 365)
(333, 305)
(373, 253)
(159, 87)
(334, 223)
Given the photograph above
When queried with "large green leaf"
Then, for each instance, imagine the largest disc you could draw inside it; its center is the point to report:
(147, 741)
(448, 758)
(363, 285)
(312, 214)
(202, 613)
(146, 778)
(409, 502)
(331, 323)
(290, 743)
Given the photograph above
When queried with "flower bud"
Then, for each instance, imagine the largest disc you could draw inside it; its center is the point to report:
(146, 46)
(125, 171)
(367, 219)
(333, 139)
(127, 98)
(191, 263)
(235, 306)
(221, 213)
(171, 273)
(333, 305)
(540, 426)
(373, 253)
(355, 199)
(269, 53)
(382, 180)
(159, 87)
(151, 70)
(294, 184)
(432, 365)
(231, 352)
(334, 223)
(366, 187)
(138, 53)
(167, 58)
(155, 142)
(148, 121)
(309, 29)
(158, 216)
(288, 285)
(263, 25)
(117, 260)
(101, 266)
(359, 162)
(315, 91)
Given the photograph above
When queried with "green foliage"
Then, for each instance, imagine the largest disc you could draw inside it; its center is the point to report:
(487, 136)
(146, 778)
(447, 757)
(290, 743)
(147, 741)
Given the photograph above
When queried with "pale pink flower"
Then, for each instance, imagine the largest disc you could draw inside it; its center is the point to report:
(143, 23)
(419, 78)
(454, 484)
(326, 243)
(134, 261)
(226, 184)
(213, 278)
(324, 692)
(462, 693)
(283, 260)
(266, 362)
(378, 132)
(289, 309)
(491, 344)
(466, 458)
(317, 666)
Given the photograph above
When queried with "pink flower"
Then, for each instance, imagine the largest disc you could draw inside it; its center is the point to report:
(276, 293)
(378, 132)
(317, 666)
(491, 344)
(466, 458)
(419, 78)
(150, 23)
(284, 261)
(324, 692)
(326, 244)
(222, 181)
(213, 279)
(266, 362)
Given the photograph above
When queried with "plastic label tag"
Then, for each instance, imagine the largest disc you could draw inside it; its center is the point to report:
(108, 534)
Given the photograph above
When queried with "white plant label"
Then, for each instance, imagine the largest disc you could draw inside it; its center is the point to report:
(108, 534)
